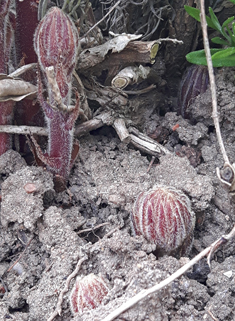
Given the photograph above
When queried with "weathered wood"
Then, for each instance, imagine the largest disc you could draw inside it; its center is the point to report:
(130, 75)
(134, 52)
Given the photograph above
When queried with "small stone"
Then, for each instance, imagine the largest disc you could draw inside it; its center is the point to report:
(30, 188)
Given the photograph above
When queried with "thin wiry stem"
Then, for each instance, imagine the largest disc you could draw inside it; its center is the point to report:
(212, 82)
(95, 25)
(65, 289)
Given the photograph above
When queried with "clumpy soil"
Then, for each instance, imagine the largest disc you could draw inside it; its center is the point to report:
(45, 234)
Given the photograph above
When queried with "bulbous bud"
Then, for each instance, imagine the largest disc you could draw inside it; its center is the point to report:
(56, 44)
(194, 82)
(164, 217)
(88, 292)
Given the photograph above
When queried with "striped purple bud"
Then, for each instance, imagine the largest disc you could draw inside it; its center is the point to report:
(56, 44)
(163, 216)
(194, 83)
(88, 292)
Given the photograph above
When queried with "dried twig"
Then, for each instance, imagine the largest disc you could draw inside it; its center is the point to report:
(65, 289)
(211, 314)
(93, 228)
(23, 130)
(102, 19)
(26, 246)
(146, 144)
(120, 127)
(212, 82)
(175, 41)
(143, 294)
(140, 91)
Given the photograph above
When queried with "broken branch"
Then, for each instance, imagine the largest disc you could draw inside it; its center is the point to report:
(123, 50)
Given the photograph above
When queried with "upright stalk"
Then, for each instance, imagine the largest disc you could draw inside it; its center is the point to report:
(56, 45)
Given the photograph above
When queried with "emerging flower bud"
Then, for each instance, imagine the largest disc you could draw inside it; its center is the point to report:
(56, 44)
(163, 216)
(195, 82)
(88, 292)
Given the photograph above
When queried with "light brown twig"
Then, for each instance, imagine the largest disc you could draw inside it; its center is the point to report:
(93, 228)
(65, 289)
(212, 82)
(26, 246)
(211, 314)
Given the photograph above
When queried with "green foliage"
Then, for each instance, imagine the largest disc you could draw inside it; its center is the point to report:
(221, 57)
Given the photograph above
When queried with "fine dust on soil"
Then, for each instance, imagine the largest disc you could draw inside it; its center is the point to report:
(104, 183)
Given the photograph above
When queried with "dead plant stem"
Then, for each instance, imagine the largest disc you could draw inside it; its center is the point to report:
(26, 246)
(212, 82)
(65, 289)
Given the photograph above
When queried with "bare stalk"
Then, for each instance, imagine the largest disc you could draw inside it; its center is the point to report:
(65, 289)
(23, 130)
(143, 294)
(212, 82)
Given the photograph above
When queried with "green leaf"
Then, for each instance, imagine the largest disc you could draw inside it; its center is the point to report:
(224, 62)
(223, 53)
(220, 58)
(233, 1)
(199, 57)
(228, 21)
(219, 41)
(233, 40)
(215, 20)
(195, 13)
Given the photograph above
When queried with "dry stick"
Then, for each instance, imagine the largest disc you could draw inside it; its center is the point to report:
(143, 294)
(120, 127)
(105, 16)
(211, 315)
(65, 289)
(23, 130)
(212, 82)
(93, 228)
(26, 246)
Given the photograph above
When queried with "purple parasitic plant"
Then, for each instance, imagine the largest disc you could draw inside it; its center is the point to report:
(164, 217)
(56, 45)
(7, 24)
(88, 293)
(194, 83)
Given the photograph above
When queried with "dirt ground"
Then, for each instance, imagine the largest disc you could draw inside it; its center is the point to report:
(52, 231)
